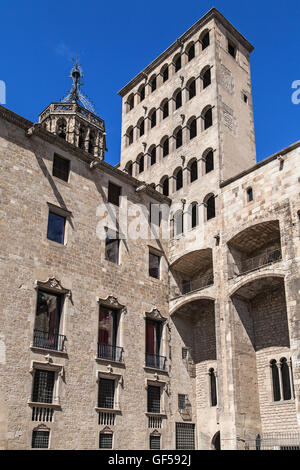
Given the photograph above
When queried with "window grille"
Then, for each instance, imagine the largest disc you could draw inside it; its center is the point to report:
(61, 168)
(106, 393)
(153, 398)
(43, 386)
(154, 422)
(106, 418)
(154, 442)
(105, 440)
(185, 436)
(42, 414)
(181, 402)
(40, 440)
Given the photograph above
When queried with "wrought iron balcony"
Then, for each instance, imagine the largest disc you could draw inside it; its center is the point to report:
(195, 284)
(155, 361)
(46, 340)
(109, 352)
(268, 257)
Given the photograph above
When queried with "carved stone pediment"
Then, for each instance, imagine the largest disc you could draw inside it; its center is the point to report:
(41, 427)
(155, 315)
(155, 433)
(106, 430)
(53, 284)
(112, 302)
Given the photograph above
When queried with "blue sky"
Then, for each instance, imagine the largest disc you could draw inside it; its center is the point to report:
(117, 39)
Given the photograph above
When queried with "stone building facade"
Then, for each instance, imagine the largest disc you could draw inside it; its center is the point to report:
(178, 328)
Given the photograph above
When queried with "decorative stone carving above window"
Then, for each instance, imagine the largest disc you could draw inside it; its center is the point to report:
(155, 315)
(113, 302)
(54, 285)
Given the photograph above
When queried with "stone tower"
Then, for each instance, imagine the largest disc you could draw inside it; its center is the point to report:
(74, 119)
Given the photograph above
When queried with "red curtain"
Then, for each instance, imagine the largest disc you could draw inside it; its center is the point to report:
(105, 331)
(150, 337)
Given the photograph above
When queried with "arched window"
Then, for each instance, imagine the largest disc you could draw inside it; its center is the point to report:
(152, 117)
(177, 62)
(213, 387)
(61, 128)
(191, 52)
(141, 126)
(275, 380)
(81, 140)
(209, 161)
(193, 128)
(210, 207)
(179, 179)
(285, 379)
(128, 168)
(141, 161)
(192, 89)
(204, 39)
(92, 142)
(178, 138)
(207, 117)
(153, 84)
(153, 155)
(193, 213)
(165, 186)
(165, 109)
(165, 146)
(165, 73)
(129, 136)
(206, 77)
(178, 99)
(178, 223)
(250, 194)
(193, 171)
(141, 92)
(130, 102)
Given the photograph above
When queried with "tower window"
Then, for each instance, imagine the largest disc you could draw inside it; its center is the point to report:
(165, 109)
(206, 78)
(112, 243)
(207, 117)
(179, 179)
(61, 128)
(142, 93)
(153, 119)
(142, 127)
(191, 52)
(130, 102)
(178, 138)
(153, 84)
(250, 194)
(141, 164)
(165, 146)
(56, 227)
(194, 214)
(285, 376)
(81, 139)
(192, 89)
(114, 193)
(245, 97)
(210, 208)
(194, 171)
(61, 168)
(205, 40)
(213, 387)
(166, 187)
(154, 264)
(165, 74)
(232, 49)
(153, 156)
(178, 100)
(193, 128)
(209, 162)
(129, 136)
(275, 380)
(178, 223)
(178, 63)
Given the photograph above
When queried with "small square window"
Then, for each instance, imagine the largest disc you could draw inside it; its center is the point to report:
(114, 193)
(105, 440)
(61, 168)
(232, 49)
(154, 442)
(154, 263)
(40, 440)
(112, 243)
(56, 227)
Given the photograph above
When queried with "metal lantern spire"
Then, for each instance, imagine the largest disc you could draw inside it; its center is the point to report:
(75, 95)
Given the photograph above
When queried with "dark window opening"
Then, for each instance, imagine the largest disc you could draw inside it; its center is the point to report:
(43, 386)
(112, 244)
(192, 89)
(141, 164)
(142, 93)
(210, 208)
(154, 264)
(130, 137)
(153, 84)
(81, 139)
(142, 128)
(275, 381)
(213, 387)
(191, 52)
(61, 168)
(165, 109)
(92, 143)
(154, 442)
(245, 98)
(194, 171)
(194, 215)
(184, 353)
(153, 156)
(250, 194)
(61, 129)
(178, 100)
(285, 376)
(208, 119)
(107, 334)
(40, 440)
(193, 129)
(56, 227)
(129, 169)
(232, 49)
(153, 399)
(166, 187)
(205, 41)
(178, 64)
(153, 337)
(114, 194)
(165, 147)
(179, 180)
(105, 440)
(106, 393)
(209, 162)
(153, 119)
(165, 74)
(179, 138)
(178, 223)
(47, 320)
(181, 402)
(185, 436)
(206, 78)
(130, 102)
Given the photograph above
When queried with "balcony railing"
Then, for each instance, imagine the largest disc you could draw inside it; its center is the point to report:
(263, 259)
(46, 340)
(195, 284)
(109, 352)
(155, 361)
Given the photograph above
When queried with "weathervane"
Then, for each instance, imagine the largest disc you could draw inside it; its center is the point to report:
(75, 95)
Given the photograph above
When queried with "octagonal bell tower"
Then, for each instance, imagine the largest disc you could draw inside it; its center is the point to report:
(74, 119)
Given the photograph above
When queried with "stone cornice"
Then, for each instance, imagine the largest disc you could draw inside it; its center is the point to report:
(211, 14)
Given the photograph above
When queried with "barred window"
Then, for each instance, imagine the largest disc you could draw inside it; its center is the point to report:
(154, 442)
(43, 386)
(105, 440)
(106, 393)
(40, 440)
(181, 402)
(153, 399)
(61, 168)
(185, 436)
